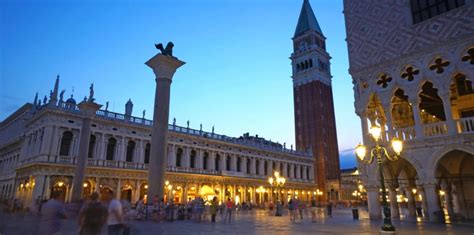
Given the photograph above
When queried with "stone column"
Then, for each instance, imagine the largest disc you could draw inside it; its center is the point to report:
(419, 127)
(164, 67)
(432, 200)
(38, 189)
(118, 190)
(445, 96)
(285, 170)
(394, 210)
(365, 128)
(292, 173)
(447, 198)
(88, 109)
(373, 200)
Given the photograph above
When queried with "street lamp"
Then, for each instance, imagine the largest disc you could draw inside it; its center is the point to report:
(278, 182)
(381, 154)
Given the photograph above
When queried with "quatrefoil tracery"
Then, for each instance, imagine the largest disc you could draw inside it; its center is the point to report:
(384, 80)
(410, 73)
(439, 65)
(469, 57)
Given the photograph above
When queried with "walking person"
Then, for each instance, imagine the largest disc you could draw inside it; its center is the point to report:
(92, 216)
(213, 209)
(330, 205)
(229, 207)
(313, 210)
(291, 205)
(115, 222)
(52, 214)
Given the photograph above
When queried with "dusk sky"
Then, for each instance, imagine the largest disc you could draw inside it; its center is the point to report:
(237, 75)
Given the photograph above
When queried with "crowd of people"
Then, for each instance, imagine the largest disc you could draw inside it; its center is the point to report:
(107, 213)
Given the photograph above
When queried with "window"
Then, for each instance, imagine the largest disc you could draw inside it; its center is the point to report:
(206, 158)
(239, 162)
(218, 159)
(179, 154)
(147, 153)
(192, 159)
(90, 153)
(66, 142)
(257, 167)
(463, 85)
(265, 168)
(227, 163)
(288, 170)
(130, 150)
(307, 173)
(248, 166)
(111, 149)
(424, 9)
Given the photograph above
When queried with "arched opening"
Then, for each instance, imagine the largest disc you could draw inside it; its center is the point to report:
(90, 153)
(227, 163)
(126, 193)
(147, 153)
(248, 165)
(192, 159)
(462, 94)
(205, 160)
(143, 191)
(86, 189)
(66, 142)
(179, 155)
(402, 113)
(257, 166)
(455, 173)
(111, 149)
(217, 161)
(130, 150)
(376, 114)
(60, 187)
(431, 105)
(239, 162)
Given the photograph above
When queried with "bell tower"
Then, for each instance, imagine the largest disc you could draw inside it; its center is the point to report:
(315, 124)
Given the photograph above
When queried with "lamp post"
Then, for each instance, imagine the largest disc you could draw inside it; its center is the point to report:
(278, 182)
(381, 154)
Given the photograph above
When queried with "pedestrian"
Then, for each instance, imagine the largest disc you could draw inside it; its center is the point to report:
(300, 208)
(213, 209)
(330, 205)
(313, 210)
(291, 205)
(229, 207)
(115, 222)
(92, 216)
(199, 208)
(52, 214)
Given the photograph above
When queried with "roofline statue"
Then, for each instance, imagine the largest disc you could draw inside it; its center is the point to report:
(168, 50)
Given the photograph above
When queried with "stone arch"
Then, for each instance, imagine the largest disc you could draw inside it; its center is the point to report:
(439, 154)
(401, 111)
(430, 103)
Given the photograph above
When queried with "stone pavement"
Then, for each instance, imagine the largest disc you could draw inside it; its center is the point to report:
(256, 222)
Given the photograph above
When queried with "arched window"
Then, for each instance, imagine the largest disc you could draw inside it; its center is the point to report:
(90, 153)
(310, 63)
(297, 67)
(66, 142)
(179, 154)
(205, 159)
(288, 170)
(111, 148)
(248, 166)
(307, 173)
(265, 168)
(301, 172)
(274, 166)
(294, 172)
(281, 168)
(239, 162)
(463, 85)
(147, 153)
(192, 159)
(305, 64)
(216, 163)
(227, 163)
(130, 150)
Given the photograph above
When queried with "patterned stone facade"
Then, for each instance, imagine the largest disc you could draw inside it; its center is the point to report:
(415, 81)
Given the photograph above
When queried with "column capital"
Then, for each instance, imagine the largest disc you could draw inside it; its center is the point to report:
(88, 108)
(164, 66)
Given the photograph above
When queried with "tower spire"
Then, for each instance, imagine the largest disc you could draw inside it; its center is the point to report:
(307, 20)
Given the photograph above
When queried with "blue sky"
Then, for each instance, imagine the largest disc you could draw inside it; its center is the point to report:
(237, 75)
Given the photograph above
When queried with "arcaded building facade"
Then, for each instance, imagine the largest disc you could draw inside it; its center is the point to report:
(412, 66)
(39, 146)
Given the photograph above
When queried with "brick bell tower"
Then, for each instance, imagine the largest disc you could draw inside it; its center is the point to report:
(315, 125)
